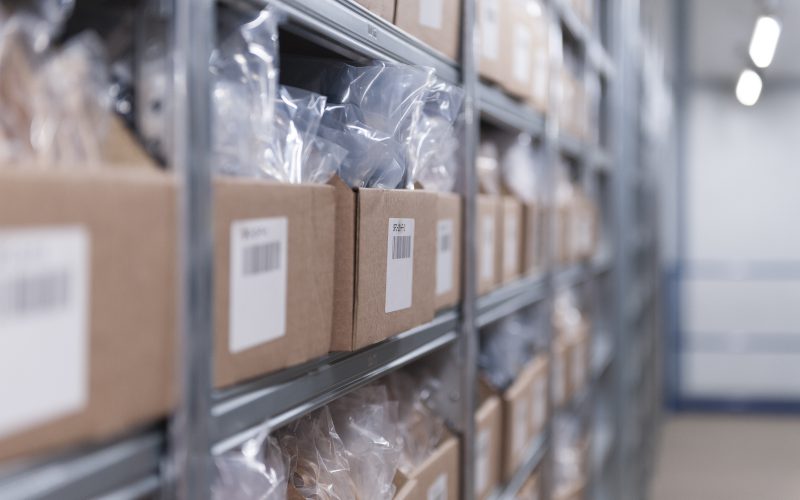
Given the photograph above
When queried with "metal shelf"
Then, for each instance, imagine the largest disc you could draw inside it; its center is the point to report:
(503, 111)
(347, 27)
(599, 58)
(109, 471)
(533, 458)
(571, 276)
(510, 299)
(572, 22)
(273, 401)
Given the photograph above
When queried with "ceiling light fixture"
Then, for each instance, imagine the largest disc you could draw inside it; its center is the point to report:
(748, 88)
(764, 41)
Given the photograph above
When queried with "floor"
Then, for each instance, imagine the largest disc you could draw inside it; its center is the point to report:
(710, 457)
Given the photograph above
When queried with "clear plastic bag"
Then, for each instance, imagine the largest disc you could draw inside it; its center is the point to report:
(506, 348)
(519, 169)
(258, 471)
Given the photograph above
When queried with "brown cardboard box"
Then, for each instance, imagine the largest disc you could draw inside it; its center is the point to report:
(539, 397)
(510, 255)
(96, 253)
(448, 250)
(532, 239)
(518, 74)
(436, 478)
(487, 240)
(265, 320)
(369, 264)
(531, 489)
(435, 22)
(494, 54)
(516, 419)
(383, 8)
(488, 443)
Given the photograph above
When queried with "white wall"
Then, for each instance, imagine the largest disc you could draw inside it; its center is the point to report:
(741, 292)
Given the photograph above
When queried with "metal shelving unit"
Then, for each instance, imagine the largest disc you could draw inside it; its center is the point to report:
(179, 463)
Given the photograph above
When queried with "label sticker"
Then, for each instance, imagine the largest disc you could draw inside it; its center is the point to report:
(438, 489)
(258, 280)
(521, 55)
(539, 407)
(487, 256)
(490, 28)
(44, 324)
(444, 256)
(520, 430)
(399, 264)
(431, 13)
(482, 461)
(511, 247)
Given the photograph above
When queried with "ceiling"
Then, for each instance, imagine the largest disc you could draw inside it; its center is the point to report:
(720, 33)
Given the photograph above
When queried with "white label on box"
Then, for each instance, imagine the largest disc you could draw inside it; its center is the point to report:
(559, 382)
(431, 13)
(579, 364)
(444, 256)
(520, 431)
(487, 256)
(399, 264)
(521, 53)
(44, 325)
(438, 489)
(482, 464)
(539, 407)
(511, 248)
(490, 28)
(258, 281)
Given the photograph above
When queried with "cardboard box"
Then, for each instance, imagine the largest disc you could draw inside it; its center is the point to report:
(437, 478)
(383, 8)
(560, 385)
(494, 54)
(540, 407)
(517, 405)
(88, 293)
(488, 443)
(435, 22)
(539, 95)
(518, 74)
(384, 274)
(448, 250)
(532, 239)
(487, 241)
(510, 255)
(273, 276)
(531, 489)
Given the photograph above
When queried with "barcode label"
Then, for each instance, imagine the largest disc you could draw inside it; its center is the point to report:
(482, 465)
(511, 248)
(431, 13)
(399, 264)
(438, 489)
(257, 282)
(444, 256)
(487, 254)
(44, 324)
(401, 247)
(262, 258)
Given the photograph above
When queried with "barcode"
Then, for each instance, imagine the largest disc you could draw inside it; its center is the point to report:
(262, 258)
(401, 247)
(34, 294)
(445, 242)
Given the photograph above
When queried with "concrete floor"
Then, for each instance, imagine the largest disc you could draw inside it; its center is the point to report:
(715, 457)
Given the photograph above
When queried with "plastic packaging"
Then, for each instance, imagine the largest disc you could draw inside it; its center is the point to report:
(258, 471)
(519, 169)
(506, 348)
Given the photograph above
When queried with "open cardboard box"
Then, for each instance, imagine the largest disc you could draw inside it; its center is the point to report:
(88, 279)
(448, 250)
(437, 478)
(385, 267)
(488, 442)
(435, 22)
(273, 275)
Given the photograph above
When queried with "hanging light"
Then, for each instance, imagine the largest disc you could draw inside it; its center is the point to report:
(764, 41)
(748, 88)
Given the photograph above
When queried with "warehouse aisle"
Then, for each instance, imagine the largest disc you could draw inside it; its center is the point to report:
(713, 457)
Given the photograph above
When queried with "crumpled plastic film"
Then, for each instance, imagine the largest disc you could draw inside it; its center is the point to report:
(506, 348)
(519, 169)
(420, 428)
(258, 471)
(245, 86)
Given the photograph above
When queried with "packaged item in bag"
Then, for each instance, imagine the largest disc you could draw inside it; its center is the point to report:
(256, 471)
